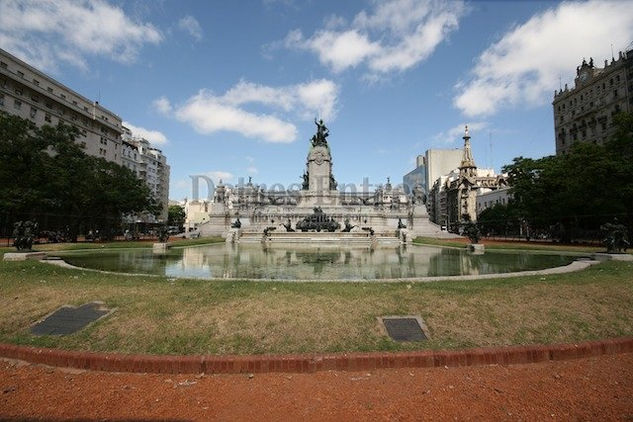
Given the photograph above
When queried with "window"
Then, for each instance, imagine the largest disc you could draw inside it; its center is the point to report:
(48, 104)
(3, 65)
(47, 117)
(17, 104)
(74, 102)
(1, 100)
(63, 96)
(20, 74)
(49, 89)
(36, 82)
(33, 112)
(18, 91)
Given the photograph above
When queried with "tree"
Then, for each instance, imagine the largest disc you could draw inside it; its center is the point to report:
(577, 192)
(176, 216)
(47, 176)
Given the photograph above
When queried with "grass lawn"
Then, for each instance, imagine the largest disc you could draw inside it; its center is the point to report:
(167, 316)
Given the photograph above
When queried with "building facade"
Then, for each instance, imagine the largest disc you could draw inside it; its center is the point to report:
(453, 197)
(150, 165)
(28, 93)
(489, 199)
(585, 112)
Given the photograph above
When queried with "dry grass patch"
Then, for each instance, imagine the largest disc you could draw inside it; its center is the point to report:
(158, 315)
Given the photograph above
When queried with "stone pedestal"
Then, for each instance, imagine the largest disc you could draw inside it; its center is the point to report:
(233, 235)
(160, 248)
(23, 256)
(404, 235)
(476, 248)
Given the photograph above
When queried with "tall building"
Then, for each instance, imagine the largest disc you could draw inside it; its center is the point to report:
(30, 94)
(416, 177)
(585, 112)
(440, 162)
(150, 165)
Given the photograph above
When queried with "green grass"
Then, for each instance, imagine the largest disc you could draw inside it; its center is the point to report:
(167, 316)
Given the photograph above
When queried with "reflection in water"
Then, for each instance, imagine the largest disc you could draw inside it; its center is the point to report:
(295, 262)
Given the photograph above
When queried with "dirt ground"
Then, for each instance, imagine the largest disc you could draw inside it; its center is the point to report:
(598, 388)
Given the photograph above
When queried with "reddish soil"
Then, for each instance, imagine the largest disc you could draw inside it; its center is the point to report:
(597, 388)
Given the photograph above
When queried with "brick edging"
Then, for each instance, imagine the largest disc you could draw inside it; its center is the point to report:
(304, 363)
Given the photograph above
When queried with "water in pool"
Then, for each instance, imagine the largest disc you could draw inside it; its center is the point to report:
(322, 263)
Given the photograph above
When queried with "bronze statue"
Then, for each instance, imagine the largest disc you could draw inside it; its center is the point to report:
(288, 226)
(348, 227)
(24, 232)
(236, 224)
(163, 234)
(322, 133)
(306, 181)
(401, 225)
(615, 236)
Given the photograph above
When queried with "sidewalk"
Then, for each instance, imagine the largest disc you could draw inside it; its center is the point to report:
(596, 388)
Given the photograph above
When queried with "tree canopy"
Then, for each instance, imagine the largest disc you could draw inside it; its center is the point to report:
(577, 192)
(47, 176)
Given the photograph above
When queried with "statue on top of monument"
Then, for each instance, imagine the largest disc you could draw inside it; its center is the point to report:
(322, 133)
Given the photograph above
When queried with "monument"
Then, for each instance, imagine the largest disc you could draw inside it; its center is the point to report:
(317, 207)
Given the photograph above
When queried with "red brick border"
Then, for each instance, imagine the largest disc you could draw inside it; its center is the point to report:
(116, 362)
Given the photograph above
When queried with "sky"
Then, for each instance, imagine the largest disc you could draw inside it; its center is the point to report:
(230, 89)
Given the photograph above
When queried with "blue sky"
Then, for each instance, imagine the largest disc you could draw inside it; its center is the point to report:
(230, 89)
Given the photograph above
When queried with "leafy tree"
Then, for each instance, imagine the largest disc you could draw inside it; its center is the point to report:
(47, 176)
(576, 192)
(176, 216)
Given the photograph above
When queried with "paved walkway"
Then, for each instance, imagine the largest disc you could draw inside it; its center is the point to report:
(597, 388)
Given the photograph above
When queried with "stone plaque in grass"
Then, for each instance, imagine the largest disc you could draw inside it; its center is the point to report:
(70, 319)
(405, 328)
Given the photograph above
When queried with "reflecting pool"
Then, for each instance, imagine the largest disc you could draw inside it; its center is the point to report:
(322, 263)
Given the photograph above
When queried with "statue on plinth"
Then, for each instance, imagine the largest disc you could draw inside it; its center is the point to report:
(24, 232)
(615, 236)
(237, 224)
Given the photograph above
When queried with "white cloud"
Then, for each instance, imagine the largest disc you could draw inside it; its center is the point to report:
(155, 137)
(252, 170)
(209, 113)
(524, 66)
(162, 105)
(395, 36)
(456, 133)
(46, 32)
(192, 26)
